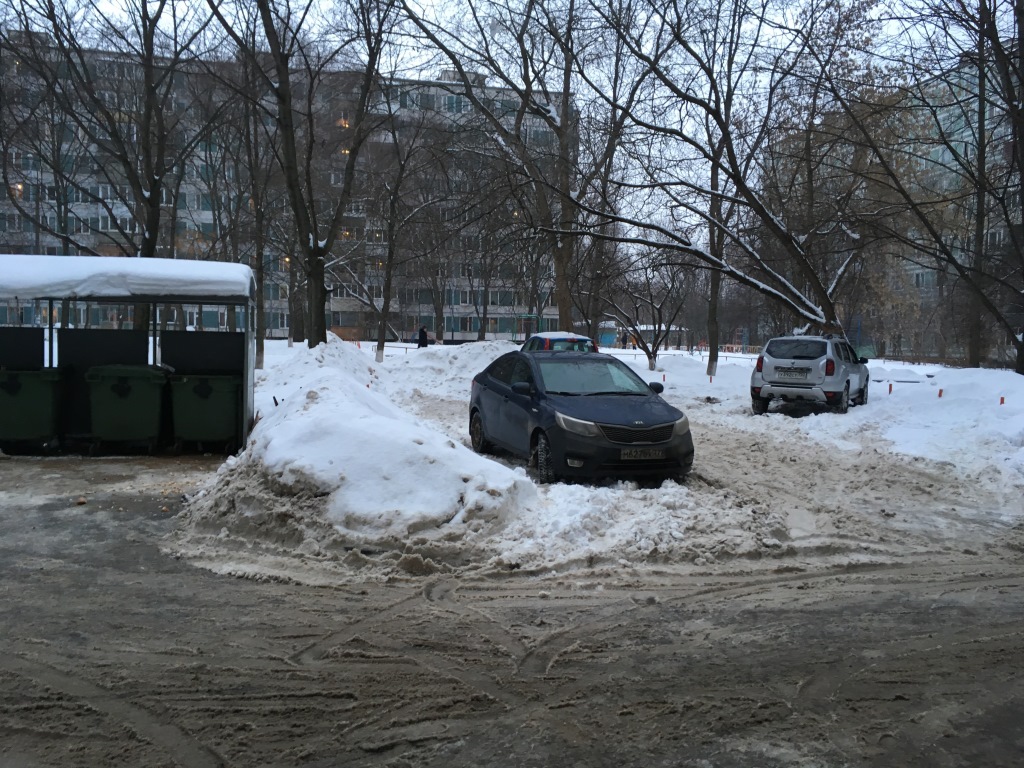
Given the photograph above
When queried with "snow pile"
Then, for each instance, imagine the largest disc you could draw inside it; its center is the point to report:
(333, 465)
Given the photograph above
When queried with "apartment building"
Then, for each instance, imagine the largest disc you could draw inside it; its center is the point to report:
(80, 178)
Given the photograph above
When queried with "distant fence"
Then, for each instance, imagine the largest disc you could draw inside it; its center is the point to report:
(947, 362)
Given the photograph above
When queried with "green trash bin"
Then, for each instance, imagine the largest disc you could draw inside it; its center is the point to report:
(28, 405)
(125, 402)
(205, 409)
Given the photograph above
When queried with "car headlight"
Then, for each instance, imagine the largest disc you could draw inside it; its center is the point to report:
(577, 426)
(682, 426)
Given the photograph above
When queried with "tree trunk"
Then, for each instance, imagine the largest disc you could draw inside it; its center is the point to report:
(316, 297)
(481, 334)
(261, 314)
(296, 327)
(975, 308)
(716, 288)
(562, 254)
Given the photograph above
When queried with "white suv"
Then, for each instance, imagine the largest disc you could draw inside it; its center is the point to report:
(819, 369)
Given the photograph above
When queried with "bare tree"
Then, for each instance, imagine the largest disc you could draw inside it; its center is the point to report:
(715, 70)
(406, 179)
(527, 48)
(320, 80)
(115, 74)
(650, 300)
(956, 112)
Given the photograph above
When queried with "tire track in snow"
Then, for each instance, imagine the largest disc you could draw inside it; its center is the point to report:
(179, 746)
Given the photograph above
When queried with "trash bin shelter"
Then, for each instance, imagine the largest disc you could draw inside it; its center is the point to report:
(113, 341)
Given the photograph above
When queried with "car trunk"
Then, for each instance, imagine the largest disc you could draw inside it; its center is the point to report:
(795, 362)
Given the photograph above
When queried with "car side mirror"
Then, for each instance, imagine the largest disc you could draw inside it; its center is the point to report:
(522, 388)
(863, 361)
(657, 387)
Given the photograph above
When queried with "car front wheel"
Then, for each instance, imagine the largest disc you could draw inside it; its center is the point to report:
(543, 460)
(863, 399)
(476, 434)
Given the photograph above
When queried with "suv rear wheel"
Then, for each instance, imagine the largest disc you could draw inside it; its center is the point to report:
(844, 400)
(759, 405)
(863, 398)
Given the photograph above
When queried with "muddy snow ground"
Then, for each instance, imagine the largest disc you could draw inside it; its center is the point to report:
(811, 596)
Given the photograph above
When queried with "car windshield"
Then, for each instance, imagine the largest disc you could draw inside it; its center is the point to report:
(796, 349)
(589, 376)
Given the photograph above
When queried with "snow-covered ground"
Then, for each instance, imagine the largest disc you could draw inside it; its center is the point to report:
(362, 468)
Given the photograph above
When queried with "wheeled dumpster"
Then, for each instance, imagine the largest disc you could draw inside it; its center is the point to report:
(125, 402)
(28, 405)
(205, 410)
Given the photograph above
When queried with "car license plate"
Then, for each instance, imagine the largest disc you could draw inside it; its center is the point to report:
(790, 373)
(641, 454)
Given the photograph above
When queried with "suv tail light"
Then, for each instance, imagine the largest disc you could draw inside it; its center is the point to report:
(830, 367)
(760, 363)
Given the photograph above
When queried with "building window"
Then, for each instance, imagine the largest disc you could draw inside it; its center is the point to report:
(455, 104)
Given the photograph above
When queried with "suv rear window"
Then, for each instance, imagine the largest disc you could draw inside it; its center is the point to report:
(796, 349)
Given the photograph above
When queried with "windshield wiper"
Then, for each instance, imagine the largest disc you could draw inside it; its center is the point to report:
(612, 392)
(574, 394)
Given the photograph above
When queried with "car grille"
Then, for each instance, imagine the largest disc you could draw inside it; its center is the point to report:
(629, 435)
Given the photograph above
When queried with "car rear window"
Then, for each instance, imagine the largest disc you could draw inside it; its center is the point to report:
(796, 349)
(569, 343)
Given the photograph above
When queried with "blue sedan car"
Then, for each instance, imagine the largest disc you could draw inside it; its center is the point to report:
(578, 415)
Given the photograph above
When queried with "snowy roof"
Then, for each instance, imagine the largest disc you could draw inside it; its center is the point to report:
(568, 335)
(27, 277)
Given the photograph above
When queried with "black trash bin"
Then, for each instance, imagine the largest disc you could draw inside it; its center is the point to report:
(28, 405)
(205, 410)
(125, 403)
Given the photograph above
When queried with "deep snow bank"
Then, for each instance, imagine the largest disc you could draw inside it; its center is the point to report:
(333, 465)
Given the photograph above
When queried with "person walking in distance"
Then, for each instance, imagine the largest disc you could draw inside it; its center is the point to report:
(423, 337)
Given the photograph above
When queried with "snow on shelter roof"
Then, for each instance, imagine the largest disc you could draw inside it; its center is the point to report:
(28, 277)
